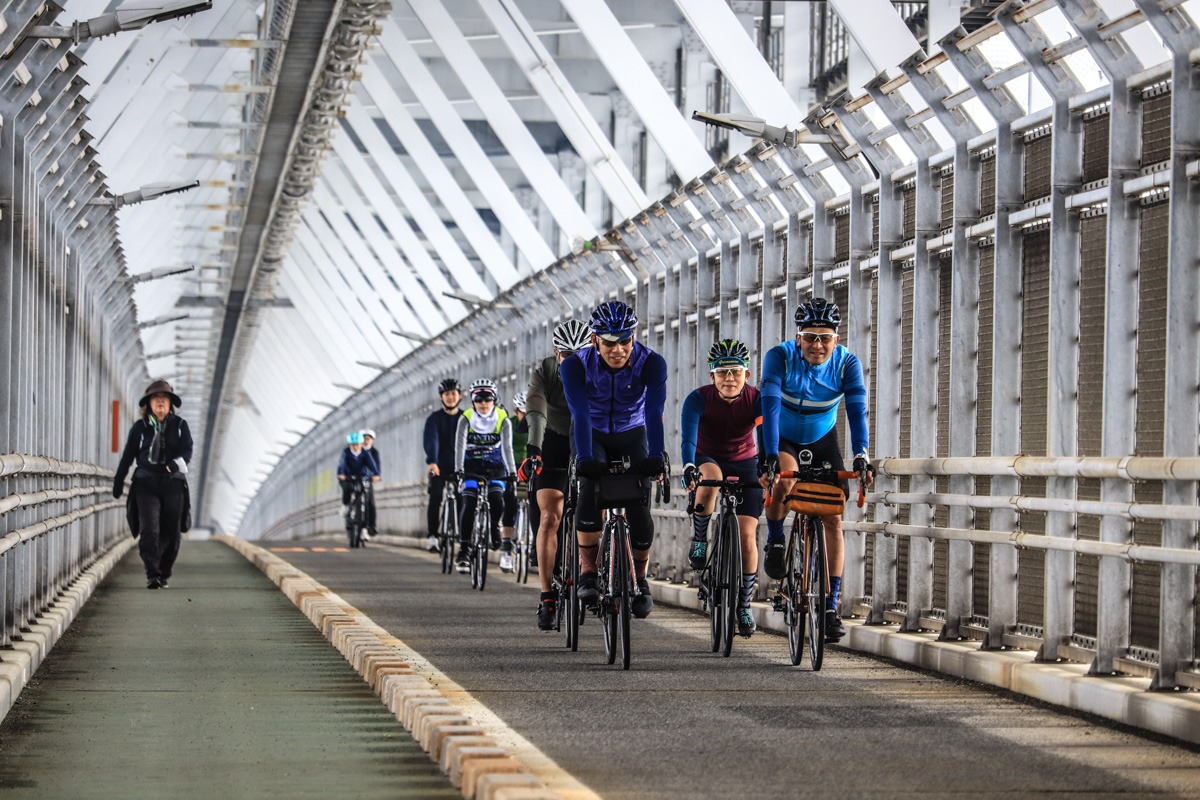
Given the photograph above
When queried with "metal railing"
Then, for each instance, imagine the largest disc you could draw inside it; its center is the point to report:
(44, 552)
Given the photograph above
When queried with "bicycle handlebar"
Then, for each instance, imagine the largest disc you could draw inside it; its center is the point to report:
(471, 476)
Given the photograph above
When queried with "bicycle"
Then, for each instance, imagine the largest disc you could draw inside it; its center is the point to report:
(356, 520)
(481, 532)
(448, 524)
(523, 537)
(566, 566)
(803, 588)
(615, 575)
(721, 575)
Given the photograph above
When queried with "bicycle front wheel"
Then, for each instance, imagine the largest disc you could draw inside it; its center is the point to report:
(622, 590)
(794, 595)
(447, 533)
(569, 558)
(815, 591)
(730, 580)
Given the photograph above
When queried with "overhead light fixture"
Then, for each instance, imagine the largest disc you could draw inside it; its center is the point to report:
(475, 300)
(757, 128)
(350, 388)
(294, 433)
(327, 405)
(373, 365)
(163, 320)
(129, 17)
(416, 337)
(154, 274)
(148, 192)
(166, 353)
(309, 419)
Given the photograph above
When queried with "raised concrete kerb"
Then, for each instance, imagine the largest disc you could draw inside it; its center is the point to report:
(18, 665)
(470, 743)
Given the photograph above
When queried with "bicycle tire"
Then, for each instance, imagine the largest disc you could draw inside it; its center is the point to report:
(624, 592)
(731, 578)
(711, 595)
(485, 540)
(522, 544)
(815, 600)
(446, 535)
(571, 580)
(608, 617)
(793, 596)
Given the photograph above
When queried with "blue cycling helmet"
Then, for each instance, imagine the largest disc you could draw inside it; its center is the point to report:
(818, 313)
(354, 438)
(614, 321)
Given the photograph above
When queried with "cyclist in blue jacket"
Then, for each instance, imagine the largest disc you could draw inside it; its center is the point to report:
(355, 462)
(803, 383)
(616, 390)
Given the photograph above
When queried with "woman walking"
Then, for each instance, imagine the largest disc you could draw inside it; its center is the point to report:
(162, 446)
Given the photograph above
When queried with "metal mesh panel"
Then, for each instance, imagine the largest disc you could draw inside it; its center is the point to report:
(1156, 129)
(906, 378)
(987, 184)
(869, 539)
(1035, 341)
(875, 224)
(1095, 148)
(983, 424)
(1151, 384)
(841, 237)
(948, 200)
(1037, 168)
(910, 212)
(807, 269)
(941, 514)
(840, 292)
(1093, 247)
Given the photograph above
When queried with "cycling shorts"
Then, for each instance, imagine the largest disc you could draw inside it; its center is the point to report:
(824, 450)
(750, 502)
(556, 459)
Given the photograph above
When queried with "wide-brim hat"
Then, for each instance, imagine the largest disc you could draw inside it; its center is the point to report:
(160, 387)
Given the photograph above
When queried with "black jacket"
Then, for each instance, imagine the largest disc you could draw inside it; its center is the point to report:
(177, 441)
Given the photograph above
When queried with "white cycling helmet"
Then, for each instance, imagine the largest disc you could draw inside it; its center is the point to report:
(519, 400)
(369, 432)
(484, 389)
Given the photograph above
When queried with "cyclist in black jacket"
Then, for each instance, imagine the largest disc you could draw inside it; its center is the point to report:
(440, 429)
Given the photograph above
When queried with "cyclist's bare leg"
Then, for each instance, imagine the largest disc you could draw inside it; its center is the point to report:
(588, 549)
(641, 558)
(748, 527)
(506, 532)
(835, 550)
(550, 501)
(706, 496)
(776, 509)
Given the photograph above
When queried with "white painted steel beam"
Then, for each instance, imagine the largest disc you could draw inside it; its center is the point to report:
(466, 149)
(572, 114)
(504, 120)
(643, 90)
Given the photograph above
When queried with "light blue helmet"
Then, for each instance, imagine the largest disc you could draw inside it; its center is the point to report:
(354, 437)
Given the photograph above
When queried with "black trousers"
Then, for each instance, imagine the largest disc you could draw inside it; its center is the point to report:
(160, 512)
(437, 485)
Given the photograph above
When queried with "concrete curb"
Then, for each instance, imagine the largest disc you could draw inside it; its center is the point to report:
(473, 760)
(1123, 698)
(18, 665)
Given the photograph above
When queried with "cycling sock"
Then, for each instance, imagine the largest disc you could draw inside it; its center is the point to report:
(774, 530)
(549, 597)
(506, 545)
(835, 592)
(700, 527)
(747, 592)
(639, 567)
(587, 557)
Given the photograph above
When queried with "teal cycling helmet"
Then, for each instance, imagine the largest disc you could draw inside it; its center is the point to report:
(354, 438)
(728, 353)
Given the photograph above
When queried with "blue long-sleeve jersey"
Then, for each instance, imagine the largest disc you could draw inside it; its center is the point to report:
(613, 401)
(357, 466)
(800, 401)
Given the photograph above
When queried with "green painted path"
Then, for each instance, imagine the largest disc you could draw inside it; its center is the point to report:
(216, 687)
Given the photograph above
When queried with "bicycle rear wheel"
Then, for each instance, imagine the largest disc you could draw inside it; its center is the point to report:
(794, 595)
(447, 536)
(520, 554)
(815, 591)
(730, 580)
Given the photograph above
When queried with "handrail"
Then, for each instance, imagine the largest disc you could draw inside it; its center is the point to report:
(18, 500)
(37, 529)
(1130, 468)
(1018, 502)
(18, 464)
(1132, 553)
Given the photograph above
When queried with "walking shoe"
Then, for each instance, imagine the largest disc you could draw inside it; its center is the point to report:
(463, 565)
(366, 535)
(643, 603)
(699, 553)
(162, 583)
(834, 629)
(545, 615)
(746, 626)
(506, 562)
(153, 583)
(776, 553)
(432, 544)
(587, 587)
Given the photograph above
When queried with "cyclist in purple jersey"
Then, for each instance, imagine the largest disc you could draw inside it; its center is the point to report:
(616, 390)
(718, 424)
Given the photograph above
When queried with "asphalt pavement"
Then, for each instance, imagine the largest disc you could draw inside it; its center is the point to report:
(687, 723)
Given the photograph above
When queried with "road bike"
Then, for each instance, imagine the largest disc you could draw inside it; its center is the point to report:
(356, 519)
(448, 524)
(805, 584)
(481, 531)
(721, 575)
(568, 613)
(524, 539)
(616, 577)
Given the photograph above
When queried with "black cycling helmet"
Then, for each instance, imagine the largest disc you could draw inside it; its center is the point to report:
(728, 353)
(448, 385)
(818, 313)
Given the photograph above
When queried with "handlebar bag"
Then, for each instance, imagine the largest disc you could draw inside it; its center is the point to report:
(816, 499)
(621, 490)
